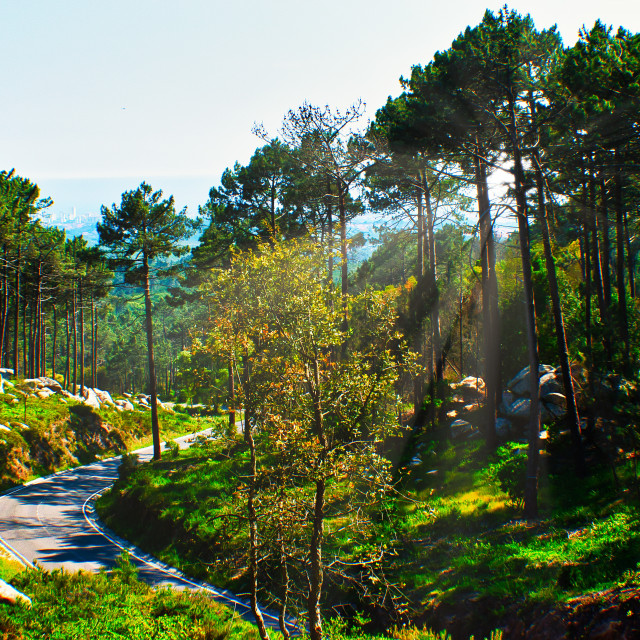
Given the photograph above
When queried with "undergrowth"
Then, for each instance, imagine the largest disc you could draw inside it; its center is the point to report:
(96, 606)
(457, 539)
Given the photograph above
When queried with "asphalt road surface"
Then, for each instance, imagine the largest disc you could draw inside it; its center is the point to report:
(52, 521)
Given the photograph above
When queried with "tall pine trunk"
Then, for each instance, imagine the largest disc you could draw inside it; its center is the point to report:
(489, 314)
(561, 339)
(155, 425)
(533, 454)
(623, 322)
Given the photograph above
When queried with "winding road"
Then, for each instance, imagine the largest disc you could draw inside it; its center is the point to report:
(52, 521)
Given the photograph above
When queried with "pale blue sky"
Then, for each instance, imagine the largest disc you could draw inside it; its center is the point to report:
(168, 91)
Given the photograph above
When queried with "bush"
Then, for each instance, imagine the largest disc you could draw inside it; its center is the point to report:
(508, 470)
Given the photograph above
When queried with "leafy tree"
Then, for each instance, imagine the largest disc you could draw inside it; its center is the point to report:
(313, 422)
(142, 228)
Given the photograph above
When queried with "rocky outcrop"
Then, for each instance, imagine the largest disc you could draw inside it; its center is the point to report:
(516, 399)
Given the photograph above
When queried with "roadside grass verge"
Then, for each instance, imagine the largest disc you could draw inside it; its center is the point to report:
(9, 567)
(114, 605)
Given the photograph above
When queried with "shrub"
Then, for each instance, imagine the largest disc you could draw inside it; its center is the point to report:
(508, 470)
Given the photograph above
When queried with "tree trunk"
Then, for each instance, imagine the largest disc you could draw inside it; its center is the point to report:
(74, 314)
(316, 573)
(563, 353)
(597, 264)
(253, 526)
(67, 371)
(343, 252)
(623, 322)
(533, 454)
(81, 302)
(436, 338)
(155, 425)
(630, 259)
(488, 319)
(16, 312)
(54, 341)
(420, 225)
(329, 205)
(587, 298)
(232, 399)
(5, 312)
(606, 244)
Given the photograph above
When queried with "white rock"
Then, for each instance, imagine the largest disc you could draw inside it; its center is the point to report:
(4, 427)
(52, 384)
(90, 398)
(104, 396)
(11, 595)
(44, 393)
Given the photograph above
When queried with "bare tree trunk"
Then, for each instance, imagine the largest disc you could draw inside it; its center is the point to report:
(563, 353)
(606, 244)
(316, 573)
(67, 370)
(253, 526)
(489, 343)
(5, 312)
(436, 339)
(623, 321)
(16, 313)
(232, 398)
(630, 259)
(533, 454)
(75, 342)
(54, 342)
(343, 252)
(81, 302)
(155, 424)
(597, 265)
(587, 296)
(420, 225)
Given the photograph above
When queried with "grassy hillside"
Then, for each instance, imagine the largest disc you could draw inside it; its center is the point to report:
(458, 552)
(46, 435)
(115, 605)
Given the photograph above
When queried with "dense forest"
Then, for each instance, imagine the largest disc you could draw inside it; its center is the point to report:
(505, 182)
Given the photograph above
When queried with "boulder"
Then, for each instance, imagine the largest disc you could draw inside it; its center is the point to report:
(469, 387)
(44, 393)
(12, 596)
(5, 372)
(519, 384)
(3, 427)
(518, 409)
(549, 383)
(52, 384)
(104, 396)
(126, 395)
(504, 428)
(19, 425)
(462, 429)
(90, 398)
(555, 398)
(123, 405)
(32, 383)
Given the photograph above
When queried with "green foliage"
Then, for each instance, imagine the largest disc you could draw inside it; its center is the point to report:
(116, 605)
(508, 470)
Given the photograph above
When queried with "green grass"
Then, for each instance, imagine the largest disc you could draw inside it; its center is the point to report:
(458, 537)
(9, 567)
(108, 606)
(65, 434)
